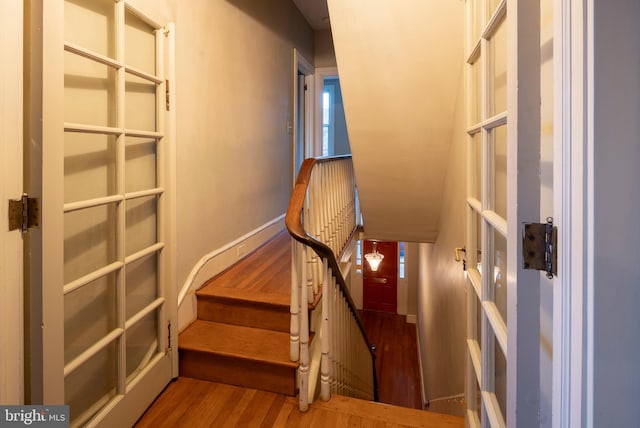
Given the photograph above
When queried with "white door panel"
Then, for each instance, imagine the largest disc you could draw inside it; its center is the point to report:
(106, 238)
(503, 192)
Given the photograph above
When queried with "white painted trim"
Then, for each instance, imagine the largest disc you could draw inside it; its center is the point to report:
(412, 319)
(569, 204)
(321, 74)
(423, 391)
(309, 115)
(472, 420)
(302, 65)
(588, 177)
(11, 262)
(523, 194)
(216, 261)
(171, 184)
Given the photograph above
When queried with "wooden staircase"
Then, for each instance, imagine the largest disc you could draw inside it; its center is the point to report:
(241, 336)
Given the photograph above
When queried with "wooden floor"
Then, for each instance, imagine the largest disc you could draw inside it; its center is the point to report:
(265, 271)
(396, 358)
(194, 403)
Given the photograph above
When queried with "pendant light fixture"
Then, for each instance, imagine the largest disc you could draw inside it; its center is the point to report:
(374, 258)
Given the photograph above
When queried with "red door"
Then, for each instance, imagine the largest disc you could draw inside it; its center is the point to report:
(379, 288)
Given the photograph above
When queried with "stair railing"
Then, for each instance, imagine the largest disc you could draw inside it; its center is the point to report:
(322, 217)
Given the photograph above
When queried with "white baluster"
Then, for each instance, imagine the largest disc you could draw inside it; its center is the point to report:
(303, 368)
(308, 266)
(325, 387)
(294, 352)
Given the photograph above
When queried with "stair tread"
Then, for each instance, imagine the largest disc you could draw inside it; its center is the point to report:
(238, 341)
(256, 297)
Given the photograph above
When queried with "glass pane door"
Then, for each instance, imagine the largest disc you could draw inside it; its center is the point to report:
(487, 212)
(116, 307)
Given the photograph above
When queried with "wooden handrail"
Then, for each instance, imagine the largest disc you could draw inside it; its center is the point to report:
(293, 222)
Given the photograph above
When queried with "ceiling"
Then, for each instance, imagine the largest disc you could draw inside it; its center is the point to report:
(315, 12)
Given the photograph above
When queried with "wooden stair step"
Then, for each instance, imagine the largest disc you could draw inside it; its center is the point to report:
(238, 355)
(241, 307)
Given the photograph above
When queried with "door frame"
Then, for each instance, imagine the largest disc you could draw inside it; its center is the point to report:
(303, 66)
(11, 273)
(572, 210)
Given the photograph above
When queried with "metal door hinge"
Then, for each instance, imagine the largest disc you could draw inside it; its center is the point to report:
(169, 337)
(539, 247)
(24, 213)
(166, 94)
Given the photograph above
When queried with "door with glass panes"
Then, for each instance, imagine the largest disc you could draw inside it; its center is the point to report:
(503, 191)
(487, 216)
(106, 237)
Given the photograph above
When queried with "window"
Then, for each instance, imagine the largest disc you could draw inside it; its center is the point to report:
(327, 120)
(401, 259)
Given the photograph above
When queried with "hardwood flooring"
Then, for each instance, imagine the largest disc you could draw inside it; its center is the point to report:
(267, 270)
(396, 358)
(194, 403)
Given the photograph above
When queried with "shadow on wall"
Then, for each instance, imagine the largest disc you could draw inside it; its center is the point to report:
(280, 16)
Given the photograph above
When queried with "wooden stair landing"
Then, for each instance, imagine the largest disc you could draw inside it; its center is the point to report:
(241, 336)
(190, 402)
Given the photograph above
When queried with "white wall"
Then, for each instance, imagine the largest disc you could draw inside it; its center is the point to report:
(234, 104)
(613, 298)
(441, 289)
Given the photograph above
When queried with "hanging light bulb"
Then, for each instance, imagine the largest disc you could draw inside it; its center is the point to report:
(374, 258)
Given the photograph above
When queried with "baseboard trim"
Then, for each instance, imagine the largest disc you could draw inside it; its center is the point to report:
(412, 319)
(218, 260)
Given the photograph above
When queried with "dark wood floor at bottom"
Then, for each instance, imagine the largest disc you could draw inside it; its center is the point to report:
(190, 403)
(396, 358)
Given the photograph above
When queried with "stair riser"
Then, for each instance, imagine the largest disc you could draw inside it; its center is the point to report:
(244, 313)
(237, 371)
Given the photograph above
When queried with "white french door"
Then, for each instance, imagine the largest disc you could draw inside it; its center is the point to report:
(502, 300)
(106, 237)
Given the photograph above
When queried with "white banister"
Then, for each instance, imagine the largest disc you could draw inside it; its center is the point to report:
(322, 217)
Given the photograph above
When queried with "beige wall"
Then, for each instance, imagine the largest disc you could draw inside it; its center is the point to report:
(441, 291)
(234, 104)
(325, 56)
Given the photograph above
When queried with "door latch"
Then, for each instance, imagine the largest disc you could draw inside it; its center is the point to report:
(24, 213)
(539, 247)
